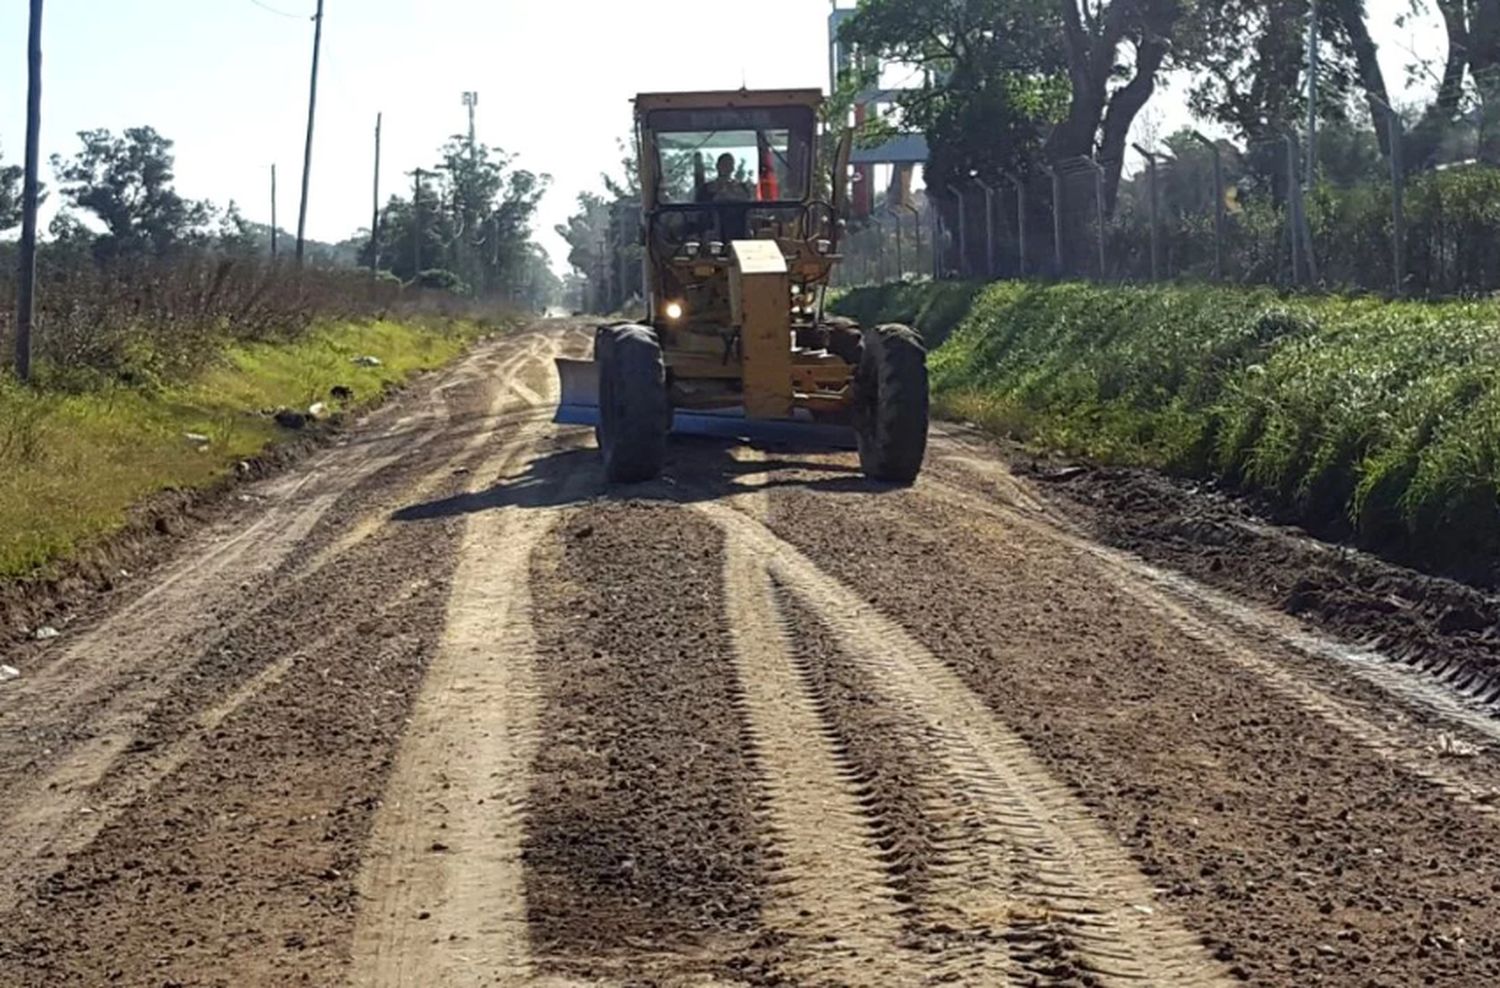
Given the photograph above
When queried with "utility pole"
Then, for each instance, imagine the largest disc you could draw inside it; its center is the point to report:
(468, 218)
(375, 215)
(26, 290)
(273, 212)
(312, 108)
(416, 225)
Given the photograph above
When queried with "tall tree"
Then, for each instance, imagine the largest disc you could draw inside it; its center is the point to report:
(1469, 68)
(1115, 50)
(126, 183)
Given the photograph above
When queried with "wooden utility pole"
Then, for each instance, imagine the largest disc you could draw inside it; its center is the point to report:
(26, 290)
(375, 216)
(416, 225)
(273, 213)
(312, 108)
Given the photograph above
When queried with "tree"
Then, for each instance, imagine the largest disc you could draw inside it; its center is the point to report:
(126, 182)
(237, 235)
(992, 78)
(472, 217)
(585, 233)
(10, 196)
(1106, 95)
(1471, 65)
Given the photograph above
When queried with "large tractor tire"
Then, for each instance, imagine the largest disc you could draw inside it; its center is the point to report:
(890, 404)
(634, 412)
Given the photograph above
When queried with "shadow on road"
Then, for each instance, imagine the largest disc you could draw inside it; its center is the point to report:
(696, 470)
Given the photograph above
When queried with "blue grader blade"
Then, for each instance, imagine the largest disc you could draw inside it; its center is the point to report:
(580, 406)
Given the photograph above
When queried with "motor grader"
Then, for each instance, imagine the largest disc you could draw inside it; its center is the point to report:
(739, 249)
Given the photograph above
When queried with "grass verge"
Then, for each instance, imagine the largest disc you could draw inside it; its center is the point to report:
(72, 464)
(1359, 418)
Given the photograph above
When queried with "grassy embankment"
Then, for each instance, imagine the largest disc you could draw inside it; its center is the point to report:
(72, 462)
(1357, 417)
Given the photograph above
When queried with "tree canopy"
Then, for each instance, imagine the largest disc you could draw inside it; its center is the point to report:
(126, 183)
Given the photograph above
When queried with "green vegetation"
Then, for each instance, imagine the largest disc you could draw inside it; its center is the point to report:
(1380, 419)
(73, 462)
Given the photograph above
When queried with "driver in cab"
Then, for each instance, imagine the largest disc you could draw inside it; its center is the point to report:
(725, 187)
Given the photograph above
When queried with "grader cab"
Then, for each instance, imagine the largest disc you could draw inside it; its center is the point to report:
(739, 249)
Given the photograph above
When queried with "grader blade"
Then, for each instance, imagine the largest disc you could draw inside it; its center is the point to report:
(580, 392)
(579, 405)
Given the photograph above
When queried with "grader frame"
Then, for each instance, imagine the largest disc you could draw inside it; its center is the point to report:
(735, 342)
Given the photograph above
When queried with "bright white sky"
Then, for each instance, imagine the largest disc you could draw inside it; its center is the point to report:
(227, 80)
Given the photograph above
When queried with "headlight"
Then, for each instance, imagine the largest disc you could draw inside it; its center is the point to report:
(823, 246)
(690, 249)
(674, 311)
(715, 249)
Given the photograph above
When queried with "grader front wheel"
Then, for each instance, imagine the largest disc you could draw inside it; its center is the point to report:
(634, 414)
(890, 404)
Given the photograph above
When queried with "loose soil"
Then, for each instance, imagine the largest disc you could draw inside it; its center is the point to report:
(438, 707)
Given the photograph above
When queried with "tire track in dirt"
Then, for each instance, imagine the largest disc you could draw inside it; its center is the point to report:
(1431, 689)
(831, 898)
(225, 698)
(1298, 855)
(1177, 601)
(444, 897)
(512, 405)
(645, 853)
(925, 829)
(85, 710)
(232, 831)
(1039, 867)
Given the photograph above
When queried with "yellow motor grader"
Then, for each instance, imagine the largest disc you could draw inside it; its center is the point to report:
(738, 253)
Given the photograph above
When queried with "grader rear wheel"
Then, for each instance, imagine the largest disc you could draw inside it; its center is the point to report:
(634, 412)
(890, 404)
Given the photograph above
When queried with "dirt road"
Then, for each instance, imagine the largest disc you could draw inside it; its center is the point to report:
(437, 708)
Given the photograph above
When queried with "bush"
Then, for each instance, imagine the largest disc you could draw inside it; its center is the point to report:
(437, 279)
(148, 321)
(1452, 236)
(1360, 417)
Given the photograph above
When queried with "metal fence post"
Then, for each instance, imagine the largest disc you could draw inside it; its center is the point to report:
(989, 228)
(963, 232)
(1219, 205)
(1020, 220)
(1155, 211)
(935, 217)
(916, 227)
(1398, 204)
(1098, 171)
(900, 253)
(1057, 219)
(1292, 226)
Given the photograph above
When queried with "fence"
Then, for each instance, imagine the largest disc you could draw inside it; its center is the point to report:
(1209, 210)
(893, 243)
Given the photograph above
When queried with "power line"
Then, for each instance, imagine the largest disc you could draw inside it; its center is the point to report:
(281, 13)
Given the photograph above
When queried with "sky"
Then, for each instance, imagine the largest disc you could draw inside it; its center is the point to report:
(227, 81)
